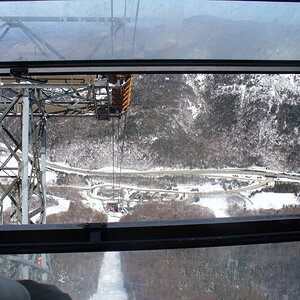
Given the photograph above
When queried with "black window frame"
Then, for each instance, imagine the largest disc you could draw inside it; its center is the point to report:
(16, 239)
(150, 235)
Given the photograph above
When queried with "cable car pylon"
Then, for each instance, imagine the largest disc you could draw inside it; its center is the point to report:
(23, 167)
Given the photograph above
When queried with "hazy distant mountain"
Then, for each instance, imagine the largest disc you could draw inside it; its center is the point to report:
(197, 37)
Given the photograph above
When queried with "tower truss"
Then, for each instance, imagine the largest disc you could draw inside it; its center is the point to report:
(25, 105)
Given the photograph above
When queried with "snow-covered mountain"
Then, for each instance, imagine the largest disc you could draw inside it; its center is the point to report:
(192, 121)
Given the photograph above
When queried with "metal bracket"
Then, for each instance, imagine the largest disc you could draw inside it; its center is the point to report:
(21, 75)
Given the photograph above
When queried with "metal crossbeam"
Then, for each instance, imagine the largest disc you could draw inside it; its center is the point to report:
(11, 22)
(154, 66)
(87, 96)
(64, 19)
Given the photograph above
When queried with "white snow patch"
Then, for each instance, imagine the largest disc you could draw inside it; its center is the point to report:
(110, 282)
(92, 202)
(205, 188)
(242, 91)
(114, 217)
(194, 110)
(62, 167)
(12, 163)
(62, 206)
(217, 204)
(266, 200)
(210, 188)
(6, 203)
(196, 82)
(51, 177)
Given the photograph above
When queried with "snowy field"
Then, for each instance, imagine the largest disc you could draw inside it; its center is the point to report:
(51, 177)
(219, 204)
(272, 200)
(201, 188)
(110, 281)
(92, 202)
(62, 206)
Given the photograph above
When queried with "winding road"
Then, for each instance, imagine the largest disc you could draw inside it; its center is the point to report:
(234, 173)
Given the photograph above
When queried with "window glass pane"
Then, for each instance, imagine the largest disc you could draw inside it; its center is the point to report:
(249, 272)
(268, 271)
(136, 29)
(191, 146)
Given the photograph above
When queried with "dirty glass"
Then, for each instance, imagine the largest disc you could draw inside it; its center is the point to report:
(191, 146)
(136, 29)
(268, 271)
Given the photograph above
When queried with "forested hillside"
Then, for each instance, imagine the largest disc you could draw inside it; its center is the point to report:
(192, 121)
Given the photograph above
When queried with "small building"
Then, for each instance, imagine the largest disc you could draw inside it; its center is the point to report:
(112, 206)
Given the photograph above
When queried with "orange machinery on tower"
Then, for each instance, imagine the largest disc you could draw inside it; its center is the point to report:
(121, 92)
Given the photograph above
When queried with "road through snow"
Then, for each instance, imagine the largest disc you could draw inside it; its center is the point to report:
(110, 282)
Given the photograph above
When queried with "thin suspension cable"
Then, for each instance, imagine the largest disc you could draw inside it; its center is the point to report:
(113, 159)
(135, 25)
(122, 151)
(124, 27)
(112, 27)
(118, 154)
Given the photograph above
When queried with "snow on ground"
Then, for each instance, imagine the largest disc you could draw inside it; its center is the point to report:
(92, 202)
(63, 167)
(6, 203)
(110, 282)
(111, 169)
(114, 217)
(12, 163)
(51, 177)
(62, 206)
(218, 204)
(272, 200)
(205, 188)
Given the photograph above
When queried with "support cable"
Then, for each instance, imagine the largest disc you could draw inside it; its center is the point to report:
(4, 33)
(112, 27)
(33, 39)
(113, 159)
(122, 151)
(124, 27)
(118, 155)
(135, 25)
(38, 38)
(3, 25)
